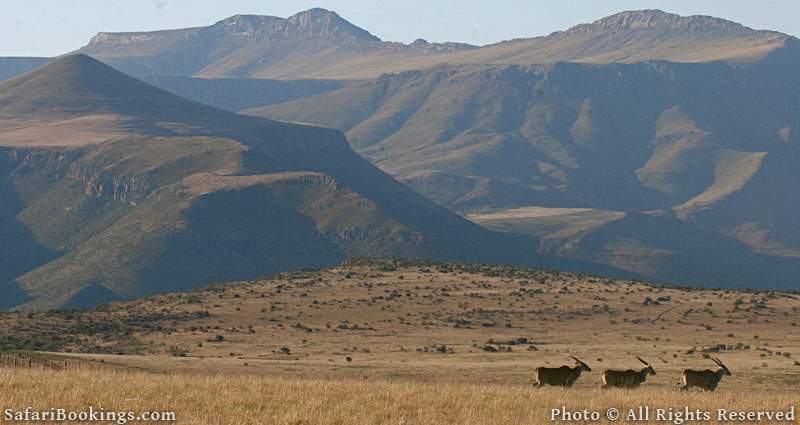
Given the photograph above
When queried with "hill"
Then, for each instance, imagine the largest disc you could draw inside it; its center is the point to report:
(387, 341)
(320, 44)
(230, 94)
(116, 189)
(706, 147)
(432, 322)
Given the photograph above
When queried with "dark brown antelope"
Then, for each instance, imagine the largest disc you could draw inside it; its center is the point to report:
(627, 378)
(563, 376)
(707, 379)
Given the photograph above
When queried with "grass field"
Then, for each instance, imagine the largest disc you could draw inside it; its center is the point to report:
(407, 343)
(215, 399)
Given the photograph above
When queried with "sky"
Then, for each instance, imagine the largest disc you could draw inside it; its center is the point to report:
(54, 27)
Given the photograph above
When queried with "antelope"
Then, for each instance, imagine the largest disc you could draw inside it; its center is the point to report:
(563, 376)
(707, 379)
(627, 378)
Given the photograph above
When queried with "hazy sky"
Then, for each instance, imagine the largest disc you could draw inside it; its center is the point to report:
(52, 27)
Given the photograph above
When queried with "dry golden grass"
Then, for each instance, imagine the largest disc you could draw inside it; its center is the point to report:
(215, 399)
(392, 323)
(82, 131)
(527, 212)
(228, 365)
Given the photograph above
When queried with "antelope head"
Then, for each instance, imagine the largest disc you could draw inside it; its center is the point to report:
(649, 369)
(723, 370)
(581, 365)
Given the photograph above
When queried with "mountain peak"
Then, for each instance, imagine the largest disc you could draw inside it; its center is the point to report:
(323, 22)
(77, 84)
(655, 19)
(251, 20)
(69, 66)
(316, 12)
(74, 75)
(311, 23)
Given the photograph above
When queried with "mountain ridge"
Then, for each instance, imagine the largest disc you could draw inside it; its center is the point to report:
(698, 148)
(654, 142)
(320, 44)
(316, 22)
(184, 195)
(318, 49)
(656, 18)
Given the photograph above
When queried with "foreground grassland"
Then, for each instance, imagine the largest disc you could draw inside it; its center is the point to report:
(381, 342)
(215, 399)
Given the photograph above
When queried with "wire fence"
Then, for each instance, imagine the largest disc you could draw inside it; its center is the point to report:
(21, 361)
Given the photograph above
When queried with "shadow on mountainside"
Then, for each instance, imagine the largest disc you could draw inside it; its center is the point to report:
(19, 250)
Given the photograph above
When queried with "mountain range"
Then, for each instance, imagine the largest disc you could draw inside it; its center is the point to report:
(655, 144)
(115, 189)
(696, 148)
(320, 44)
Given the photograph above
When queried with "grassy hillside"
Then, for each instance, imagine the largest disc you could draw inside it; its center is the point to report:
(637, 36)
(655, 130)
(169, 194)
(443, 331)
(650, 244)
(207, 400)
(704, 143)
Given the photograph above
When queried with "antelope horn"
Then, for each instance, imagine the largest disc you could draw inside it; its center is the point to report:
(719, 363)
(577, 360)
(640, 359)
